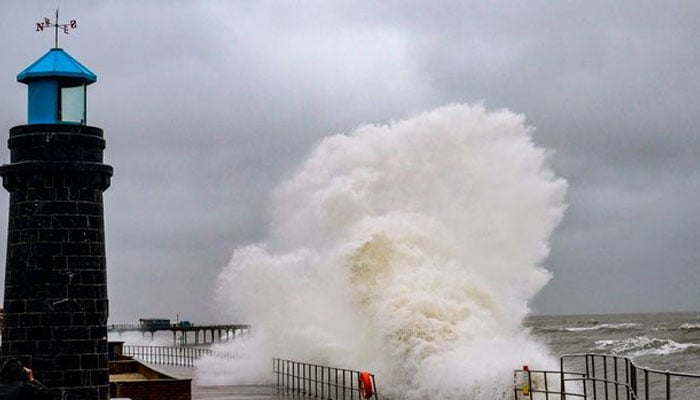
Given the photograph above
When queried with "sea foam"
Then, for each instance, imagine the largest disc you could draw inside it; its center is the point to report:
(410, 249)
(639, 346)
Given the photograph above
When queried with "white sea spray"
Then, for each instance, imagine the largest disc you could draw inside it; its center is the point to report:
(409, 249)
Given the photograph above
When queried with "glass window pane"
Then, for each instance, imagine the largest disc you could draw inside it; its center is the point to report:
(73, 104)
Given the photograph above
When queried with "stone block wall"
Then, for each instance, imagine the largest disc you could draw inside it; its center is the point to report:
(55, 301)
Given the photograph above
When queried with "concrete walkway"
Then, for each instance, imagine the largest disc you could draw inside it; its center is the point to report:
(237, 393)
(224, 392)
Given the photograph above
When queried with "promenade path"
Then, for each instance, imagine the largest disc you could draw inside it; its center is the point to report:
(224, 392)
(237, 393)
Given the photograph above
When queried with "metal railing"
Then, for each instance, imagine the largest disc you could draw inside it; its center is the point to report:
(546, 385)
(167, 355)
(605, 377)
(318, 381)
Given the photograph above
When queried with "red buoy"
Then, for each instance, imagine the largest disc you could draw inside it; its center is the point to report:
(365, 385)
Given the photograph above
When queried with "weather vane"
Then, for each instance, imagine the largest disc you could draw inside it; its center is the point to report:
(64, 27)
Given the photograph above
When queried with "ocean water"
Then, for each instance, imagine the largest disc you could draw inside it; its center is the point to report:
(663, 341)
(659, 341)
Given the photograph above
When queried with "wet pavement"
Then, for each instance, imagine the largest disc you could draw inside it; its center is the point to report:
(236, 393)
(224, 392)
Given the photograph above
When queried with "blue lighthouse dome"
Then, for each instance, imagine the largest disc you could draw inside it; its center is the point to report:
(57, 89)
(56, 63)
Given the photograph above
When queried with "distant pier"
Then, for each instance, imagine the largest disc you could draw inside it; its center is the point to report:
(203, 334)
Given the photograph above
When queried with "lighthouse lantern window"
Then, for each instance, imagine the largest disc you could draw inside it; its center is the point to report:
(72, 104)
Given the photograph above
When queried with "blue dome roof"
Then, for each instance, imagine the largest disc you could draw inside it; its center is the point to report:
(57, 63)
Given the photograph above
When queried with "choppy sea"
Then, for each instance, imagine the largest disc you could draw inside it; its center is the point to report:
(660, 341)
(664, 341)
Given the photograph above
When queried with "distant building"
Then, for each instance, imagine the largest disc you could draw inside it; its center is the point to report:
(154, 324)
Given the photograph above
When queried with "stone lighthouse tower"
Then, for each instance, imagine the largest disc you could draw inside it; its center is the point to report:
(55, 276)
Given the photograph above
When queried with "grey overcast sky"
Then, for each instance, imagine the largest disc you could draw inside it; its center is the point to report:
(208, 105)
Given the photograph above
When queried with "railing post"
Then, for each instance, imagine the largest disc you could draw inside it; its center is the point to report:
(374, 388)
(605, 375)
(595, 382)
(322, 382)
(285, 376)
(302, 383)
(355, 380)
(633, 376)
(274, 369)
(335, 372)
(617, 381)
(646, 384)
(344, 387)
(562, 378)
(295, 377)
(285, 381)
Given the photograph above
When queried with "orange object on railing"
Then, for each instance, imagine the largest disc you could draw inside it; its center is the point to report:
(365, 385)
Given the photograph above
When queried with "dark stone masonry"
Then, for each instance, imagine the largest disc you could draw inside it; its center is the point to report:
(55, 304)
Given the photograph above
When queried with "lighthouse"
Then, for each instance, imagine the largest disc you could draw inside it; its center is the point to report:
(55, 301)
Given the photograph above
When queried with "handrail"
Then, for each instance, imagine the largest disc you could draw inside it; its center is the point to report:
(634, 381)
(606, 377)
(326, 383)
(169, 355)
(545, 383)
